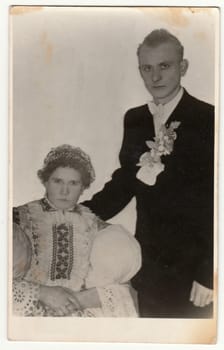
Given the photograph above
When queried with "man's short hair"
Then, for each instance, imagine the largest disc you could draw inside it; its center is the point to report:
(161, 36)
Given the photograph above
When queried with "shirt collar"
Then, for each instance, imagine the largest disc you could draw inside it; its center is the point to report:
(166, 109)
(171, 105)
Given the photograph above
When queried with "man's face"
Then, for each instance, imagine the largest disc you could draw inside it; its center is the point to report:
(64, 187)
(161, 69)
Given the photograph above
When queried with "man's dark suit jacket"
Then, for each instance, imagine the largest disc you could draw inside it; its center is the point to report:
(175, 216)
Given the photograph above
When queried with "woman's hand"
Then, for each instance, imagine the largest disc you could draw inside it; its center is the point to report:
(88, 298)
(61, 301)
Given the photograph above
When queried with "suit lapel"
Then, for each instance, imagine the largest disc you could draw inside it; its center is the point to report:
(148, 124)
(144, 129)
(149, 130)
(182, 110)
(180, 113)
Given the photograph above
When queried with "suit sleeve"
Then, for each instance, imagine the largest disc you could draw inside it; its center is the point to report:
(205, 235)
(118, 192)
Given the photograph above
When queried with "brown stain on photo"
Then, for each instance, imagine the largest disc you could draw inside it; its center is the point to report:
(47, 47)
(201, 36)
(215, 288)
(201, 10)
(22, 10)
(206, 332)
(176, 16)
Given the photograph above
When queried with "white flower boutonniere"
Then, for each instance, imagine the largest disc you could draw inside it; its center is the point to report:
(150, 162)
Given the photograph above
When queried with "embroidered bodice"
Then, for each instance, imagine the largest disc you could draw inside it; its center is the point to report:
(61, 247)
(61, 242)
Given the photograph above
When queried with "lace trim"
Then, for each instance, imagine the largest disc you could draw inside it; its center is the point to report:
(25, 299)
(116, 301)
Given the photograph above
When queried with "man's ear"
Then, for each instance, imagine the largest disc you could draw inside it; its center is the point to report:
(183, 67)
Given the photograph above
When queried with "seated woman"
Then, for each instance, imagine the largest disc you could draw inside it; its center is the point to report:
(66, 261)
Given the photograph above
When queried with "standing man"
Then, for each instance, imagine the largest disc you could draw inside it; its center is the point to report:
(167, 163)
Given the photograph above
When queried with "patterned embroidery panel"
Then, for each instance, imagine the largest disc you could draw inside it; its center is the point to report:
(62, 258)
(61, 243)
(35, 243)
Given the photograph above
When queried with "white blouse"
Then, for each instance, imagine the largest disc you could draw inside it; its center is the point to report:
(63, 254)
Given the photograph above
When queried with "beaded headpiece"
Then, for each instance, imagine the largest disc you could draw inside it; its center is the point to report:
(67, 155)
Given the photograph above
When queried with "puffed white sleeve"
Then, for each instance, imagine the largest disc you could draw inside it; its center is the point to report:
(25, 294)
(115, 258)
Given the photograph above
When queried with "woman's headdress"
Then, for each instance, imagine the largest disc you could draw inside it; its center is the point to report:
(67, 155)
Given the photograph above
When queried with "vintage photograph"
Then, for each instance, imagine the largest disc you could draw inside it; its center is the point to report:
(113, 196)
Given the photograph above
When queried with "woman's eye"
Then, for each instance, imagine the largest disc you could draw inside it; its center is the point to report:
(74, 183)
(57, 181)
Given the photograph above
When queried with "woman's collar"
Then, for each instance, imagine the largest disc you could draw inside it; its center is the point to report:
(48, 206)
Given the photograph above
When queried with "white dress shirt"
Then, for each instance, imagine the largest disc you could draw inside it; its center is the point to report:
(162, 112)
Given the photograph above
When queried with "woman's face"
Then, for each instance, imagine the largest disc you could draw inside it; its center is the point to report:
(64, 187)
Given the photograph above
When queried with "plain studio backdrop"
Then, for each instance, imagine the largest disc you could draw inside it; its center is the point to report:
(75, 73)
